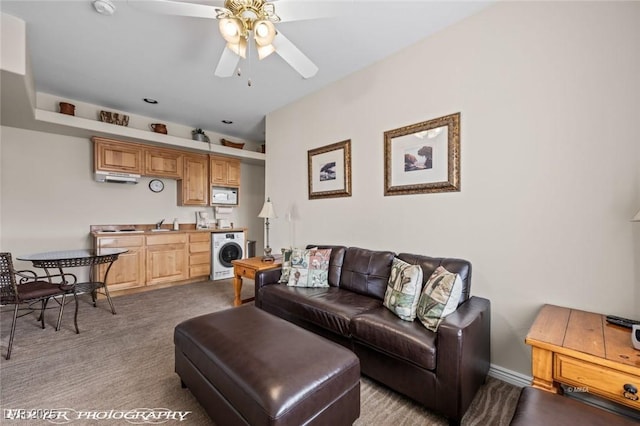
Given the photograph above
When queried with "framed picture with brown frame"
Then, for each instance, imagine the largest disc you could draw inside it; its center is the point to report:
(329, 170)
(423, 157)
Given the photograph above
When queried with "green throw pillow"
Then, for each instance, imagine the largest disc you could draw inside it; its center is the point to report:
(439, 298)
(403, 289)
(286, 265)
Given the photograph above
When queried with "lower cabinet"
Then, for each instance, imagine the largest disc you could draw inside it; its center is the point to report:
(167, 258)
(199, 254)
(160, 258)
(129, 270)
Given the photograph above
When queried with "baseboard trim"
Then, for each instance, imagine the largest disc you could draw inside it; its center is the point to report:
(509, 376)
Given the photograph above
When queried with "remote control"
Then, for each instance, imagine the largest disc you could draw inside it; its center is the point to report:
(624, 322)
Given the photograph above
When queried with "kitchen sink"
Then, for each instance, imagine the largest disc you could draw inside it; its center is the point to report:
(160, 230)
(120, 231)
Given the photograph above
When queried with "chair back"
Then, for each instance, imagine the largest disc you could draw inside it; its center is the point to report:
(8, 285)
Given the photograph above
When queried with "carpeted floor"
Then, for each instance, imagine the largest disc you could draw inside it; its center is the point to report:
(125, 362)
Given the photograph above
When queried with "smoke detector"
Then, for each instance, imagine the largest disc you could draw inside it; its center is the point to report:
(104, 7)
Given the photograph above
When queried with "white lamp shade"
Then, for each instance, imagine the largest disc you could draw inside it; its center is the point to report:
(267, 211)
(636, 218)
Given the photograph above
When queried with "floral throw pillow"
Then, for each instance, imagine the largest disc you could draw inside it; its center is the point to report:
(403, 289)
(439, 298)
(309, 268)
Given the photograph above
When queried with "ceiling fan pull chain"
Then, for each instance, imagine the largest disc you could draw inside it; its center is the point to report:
(249, 63)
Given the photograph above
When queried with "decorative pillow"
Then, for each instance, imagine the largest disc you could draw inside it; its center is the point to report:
(286, 265)
(403, 290)
(439, 298)
(309, 268)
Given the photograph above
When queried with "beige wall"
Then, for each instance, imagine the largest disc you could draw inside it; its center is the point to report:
(548, 94)
(49, 197)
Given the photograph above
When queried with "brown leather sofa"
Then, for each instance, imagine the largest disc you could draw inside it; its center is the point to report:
(441, 371)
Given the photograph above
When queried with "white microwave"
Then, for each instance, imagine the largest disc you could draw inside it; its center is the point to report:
(224, 196)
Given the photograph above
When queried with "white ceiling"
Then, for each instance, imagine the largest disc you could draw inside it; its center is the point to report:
(116, 61)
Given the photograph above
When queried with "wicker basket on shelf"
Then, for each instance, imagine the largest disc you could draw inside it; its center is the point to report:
(232, 144)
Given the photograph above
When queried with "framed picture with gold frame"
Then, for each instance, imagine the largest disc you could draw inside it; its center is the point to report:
(329, 169)
(423, 157)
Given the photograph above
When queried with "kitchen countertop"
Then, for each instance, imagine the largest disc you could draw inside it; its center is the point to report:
(106, 230)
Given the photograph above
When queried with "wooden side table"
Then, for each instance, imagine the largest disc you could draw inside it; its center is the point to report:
(581, 350)
(247, 268)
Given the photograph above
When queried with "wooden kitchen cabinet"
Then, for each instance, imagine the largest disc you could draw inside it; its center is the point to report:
(199, 254)
(225, 171)
(193, 188)
(114, 156)
(163, 163)
(129, 270)
(167, 258)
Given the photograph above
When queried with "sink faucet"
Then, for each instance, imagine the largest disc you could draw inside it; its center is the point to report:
(159, 224)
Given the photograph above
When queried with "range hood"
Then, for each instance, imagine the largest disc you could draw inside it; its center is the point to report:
(116, 177)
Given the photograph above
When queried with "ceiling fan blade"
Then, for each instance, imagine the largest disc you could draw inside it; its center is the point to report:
(227, 64)
(294, 56)
(168, 7)
(305, 10)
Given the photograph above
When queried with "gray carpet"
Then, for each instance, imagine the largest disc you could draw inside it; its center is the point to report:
(125, 362)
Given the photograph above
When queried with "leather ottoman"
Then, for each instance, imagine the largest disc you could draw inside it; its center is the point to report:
(246, 366)
(540, 408)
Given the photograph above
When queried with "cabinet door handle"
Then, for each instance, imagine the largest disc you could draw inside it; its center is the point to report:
(630, 392)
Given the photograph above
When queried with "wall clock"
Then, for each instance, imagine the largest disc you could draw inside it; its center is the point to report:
(156, 185)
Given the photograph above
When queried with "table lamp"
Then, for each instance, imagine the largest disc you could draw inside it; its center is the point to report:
(267, 213)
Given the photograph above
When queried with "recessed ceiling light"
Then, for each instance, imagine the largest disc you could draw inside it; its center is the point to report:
(150, 101)
(104, 7)
(227, 121)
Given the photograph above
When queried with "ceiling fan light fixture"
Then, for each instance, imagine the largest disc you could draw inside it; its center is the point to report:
(264, 51)
(239, 48)
(231, 29)
(221, 12)
(264, 32)
(269, 11)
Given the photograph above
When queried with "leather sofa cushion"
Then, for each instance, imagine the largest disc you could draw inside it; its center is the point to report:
(366, 271)
(335, 262)
(326, 307)
(407, 340)
(455, 266)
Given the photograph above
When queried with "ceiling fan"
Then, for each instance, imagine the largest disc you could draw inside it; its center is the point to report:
(238, 22)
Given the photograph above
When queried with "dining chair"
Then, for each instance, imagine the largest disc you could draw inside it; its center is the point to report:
(20, 288)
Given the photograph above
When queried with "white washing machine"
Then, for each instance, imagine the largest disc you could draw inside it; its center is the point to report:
(225, 247)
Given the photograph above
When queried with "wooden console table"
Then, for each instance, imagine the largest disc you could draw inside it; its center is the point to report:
(581, 350)
(247, 268)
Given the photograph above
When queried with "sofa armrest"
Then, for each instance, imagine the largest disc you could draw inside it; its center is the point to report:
(463, 353)
(264, 278)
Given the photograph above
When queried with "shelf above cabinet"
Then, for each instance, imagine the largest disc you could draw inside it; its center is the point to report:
(53, 122)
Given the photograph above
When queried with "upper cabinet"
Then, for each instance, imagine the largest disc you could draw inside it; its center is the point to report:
(114, 156)
(193, 189)
(195, 173)
(163, 163)
(225, 171)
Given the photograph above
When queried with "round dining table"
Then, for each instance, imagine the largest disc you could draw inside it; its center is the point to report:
(64, 259)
